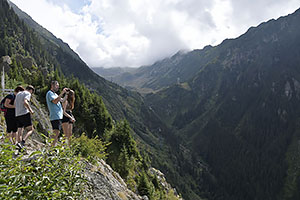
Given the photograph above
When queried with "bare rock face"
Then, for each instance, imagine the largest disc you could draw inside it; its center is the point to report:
(5, 62)
(28, 63)
(107, 184)
(40, 118)
(161, 178)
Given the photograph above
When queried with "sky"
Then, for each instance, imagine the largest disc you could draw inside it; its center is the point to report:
(132, 33)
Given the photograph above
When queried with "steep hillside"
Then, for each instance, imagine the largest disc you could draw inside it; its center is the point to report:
(238, 116)
(102, 182)
(80, 170)
(120, 102)
(37, 60)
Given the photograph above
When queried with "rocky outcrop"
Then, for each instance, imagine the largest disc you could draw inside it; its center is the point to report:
(107, 184)
(40, 118)
(163, 182)
(27, 63)
(5, 61)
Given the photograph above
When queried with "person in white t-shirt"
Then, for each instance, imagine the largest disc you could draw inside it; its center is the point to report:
(23, 115)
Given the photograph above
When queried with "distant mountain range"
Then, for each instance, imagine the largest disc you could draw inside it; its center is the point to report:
(178, 68)
(222, 122)
(110, 73)
(235, 108)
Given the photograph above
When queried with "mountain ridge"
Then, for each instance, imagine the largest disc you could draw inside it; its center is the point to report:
(237, 100)
(146, 78)
(241, 105)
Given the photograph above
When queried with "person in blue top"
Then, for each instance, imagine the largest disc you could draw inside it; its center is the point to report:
(55, 108)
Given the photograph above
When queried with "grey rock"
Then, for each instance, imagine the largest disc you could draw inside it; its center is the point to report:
(107, 184)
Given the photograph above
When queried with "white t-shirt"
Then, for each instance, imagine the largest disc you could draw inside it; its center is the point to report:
(20, 98)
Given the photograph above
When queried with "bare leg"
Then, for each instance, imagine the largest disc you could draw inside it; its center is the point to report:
(30, 130)
(55, 137)
(69, 133)
(65, 128)
(19, 134)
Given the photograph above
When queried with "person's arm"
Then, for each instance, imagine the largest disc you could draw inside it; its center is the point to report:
(65, 103)
(7, 103)
(56, 100)
(26, 104)
(64, 99)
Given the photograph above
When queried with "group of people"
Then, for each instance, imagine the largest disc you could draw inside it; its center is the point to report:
(19, 112)
(60, 108)
(18, 115)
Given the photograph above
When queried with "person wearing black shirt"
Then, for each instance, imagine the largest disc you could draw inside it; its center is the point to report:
(10, 118)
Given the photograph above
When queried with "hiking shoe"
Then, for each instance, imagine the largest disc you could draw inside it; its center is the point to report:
(21, 145)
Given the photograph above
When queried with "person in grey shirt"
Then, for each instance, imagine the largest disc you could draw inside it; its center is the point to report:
(23, 115)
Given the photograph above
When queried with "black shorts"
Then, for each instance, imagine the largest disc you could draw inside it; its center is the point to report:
(11, 124)
(67, 119)
(24, 121)
(56, 124)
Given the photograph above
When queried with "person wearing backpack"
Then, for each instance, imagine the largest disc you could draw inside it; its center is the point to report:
(23, 115)
(9, 114)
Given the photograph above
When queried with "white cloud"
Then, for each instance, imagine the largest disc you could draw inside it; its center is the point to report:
(139, 32)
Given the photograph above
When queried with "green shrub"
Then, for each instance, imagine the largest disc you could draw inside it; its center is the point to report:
(47, 174)
(144, 186)
(89, 148)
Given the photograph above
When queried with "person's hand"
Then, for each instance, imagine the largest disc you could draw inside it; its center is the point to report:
(73, 119)
(65, 90)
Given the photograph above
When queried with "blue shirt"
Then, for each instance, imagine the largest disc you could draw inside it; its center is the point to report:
(56, 111)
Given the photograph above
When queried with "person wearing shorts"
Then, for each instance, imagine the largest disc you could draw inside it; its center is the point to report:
(23, 115)
(10, 115)
(55, 109)
(68, 118)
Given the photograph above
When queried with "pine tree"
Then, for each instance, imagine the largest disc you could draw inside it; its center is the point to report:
(144, 186)
(123, 164)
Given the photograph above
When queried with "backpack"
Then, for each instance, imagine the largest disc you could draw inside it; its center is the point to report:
(2, 107)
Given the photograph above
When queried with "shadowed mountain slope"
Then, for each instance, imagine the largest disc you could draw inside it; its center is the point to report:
(237, 113)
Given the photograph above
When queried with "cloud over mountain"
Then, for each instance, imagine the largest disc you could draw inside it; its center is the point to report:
(133, 33)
